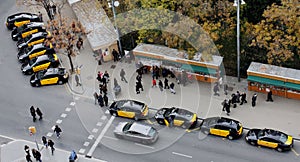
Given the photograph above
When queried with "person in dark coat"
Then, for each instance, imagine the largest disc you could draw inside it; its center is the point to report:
(57, 130)
(243, 98)
(122, 75)
(26, 148)
(37, 155)
(233, 100)
(51, 145)
(269, 96)
(39, 113)
(95, 97)
(254, 100)
(28, 158)
(77, 80)
(238, 95)
(140, 85)
(172, 85)
(115, 82)
(100, 100)
(32, 112)
(226, 106)
(225, 89)
(115, 55)
(137, 88)
(166, 84)
(44, 140)
(104, 89)
(139, 78)
(106, 76)
(216, 90)
(105, 99)
(160, 85)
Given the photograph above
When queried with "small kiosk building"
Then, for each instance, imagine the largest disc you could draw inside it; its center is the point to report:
(282, 81)
(176, 61)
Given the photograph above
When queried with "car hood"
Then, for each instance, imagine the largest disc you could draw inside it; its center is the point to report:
(119, 127)
(22, 57)
(33, 78)
(25, 67)
(21, 45)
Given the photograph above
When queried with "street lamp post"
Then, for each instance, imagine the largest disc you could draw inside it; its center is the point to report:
(237, 4)
(112, 5)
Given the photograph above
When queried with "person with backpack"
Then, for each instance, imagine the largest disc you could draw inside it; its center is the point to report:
(73, 156)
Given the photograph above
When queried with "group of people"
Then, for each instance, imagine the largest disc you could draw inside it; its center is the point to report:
(35, 153)
(164, 86)
(35, 112)
(103, 80)
(235, 99)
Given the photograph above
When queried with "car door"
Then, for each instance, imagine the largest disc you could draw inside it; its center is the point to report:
(21, 22)
(126, 112)
(215, 130)
(38, 53)
(29, 31)
(267, 142)
(36, 40)
(50, 79)
(178, 120)
(224, 131)
(133, 136)
(40, 65)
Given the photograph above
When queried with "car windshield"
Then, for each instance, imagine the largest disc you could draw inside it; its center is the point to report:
(152, 132)
(282, 137)
(20, 28)
(27, 38)
(127, 127)
(168, 112)
(32, 61)
(39, 75)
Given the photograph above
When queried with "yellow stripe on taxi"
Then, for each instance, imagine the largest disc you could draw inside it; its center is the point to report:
(194, 118)
(289, 140)
(55, 57)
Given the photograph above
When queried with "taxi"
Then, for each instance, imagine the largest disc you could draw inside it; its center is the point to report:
(33, 39)
(40, 63)
(49, 77)
(221, 126)
(34, 28)
(20, 19)
(177, 117)
(129, 109)
(28, 49)
(270, 138)
(36, 51)
(23, 27)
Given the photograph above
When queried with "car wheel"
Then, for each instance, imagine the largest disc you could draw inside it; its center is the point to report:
(252, 143)
(230, 137)
(29, 72)
(279, 149)
(160, 122)
(136, 118)
(206, 131)
(37, 85)
(60, 82)
(114, 114)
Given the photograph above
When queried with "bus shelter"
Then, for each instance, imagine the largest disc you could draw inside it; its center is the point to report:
(177, 62)
(282, 81)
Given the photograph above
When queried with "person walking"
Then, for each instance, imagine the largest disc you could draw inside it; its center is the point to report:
(172, 85)
(33, 114)
(73, 156)
(115, 82)
(39, 113)
(115, 55)
(225, 89)
(51, 145)
(140, 85)
(28, 158)
(40, 16)
(269, 95)
(105, 99)
(233, 99)
(166, 84)
(153, 82)
(100, 101)
(137, 88)
(57, 130)
(44, 140)
(238, 96)
(106, 76)
(160, 85)
(254, 100)
(227, 108)
(77, 80)
(216, 90)
(26, 149)
(96, 97)
(122, 75)
(37, 155)
(243, 98)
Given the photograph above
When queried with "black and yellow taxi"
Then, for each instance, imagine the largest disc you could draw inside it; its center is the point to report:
(21, 28)
(129, 109)
(221, 126)
(49, 76)
(28, 49)
(40, 63)
(30, 29)
(20, 19)
(177, 117)
(270, 138)
(33, 39)
(37, 50)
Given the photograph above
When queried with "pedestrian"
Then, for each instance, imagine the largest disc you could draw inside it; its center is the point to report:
(225, 89)
(100, 101)
(104, 81)
(216, 90)
(28, 158)
(40, 17)
(140, 85)
(115, 82)
(44, 140)
(33, 114)
(37, 155)
(39, 113)
(233, 99)
(26, 148)
(254, 100)
(104, 89)
(51, 145)
(96, 97)
(269, 95)
(137, 88)
(139, 77)
(99, 76)
(115, 55)
(57, 130)
(73, 156)
(77, 80)
(153, 82)
(238, 95)
(172, 85)
(122, 75)
(105, 99)
(78, 45)
(106, 76)
(227, 108)
(166, 84)
(243, 98)
(160, 85)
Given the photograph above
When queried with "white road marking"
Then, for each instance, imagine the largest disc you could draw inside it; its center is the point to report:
(95, 130)
(89, 154)
(176, 153)
(99, 124)
(106, 112)
(77, 98)
(72, 103)
(68, 109)
(7, 137)
(86, 144)
(113, 138)
(103, 117)
(58, 121)
(53, 127)
(296, 141)
(91, 137)
(144, 145)
(49, 134)
(63, 115)
(81, 151)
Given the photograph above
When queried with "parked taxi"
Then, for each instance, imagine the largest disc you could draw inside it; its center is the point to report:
(40, 63)
(33, 39)
(49, 77)
(222, 126)
(129, 109)
(37, 50)
(20, 19)
(177, 117)
(270, 138)
(33, 28)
